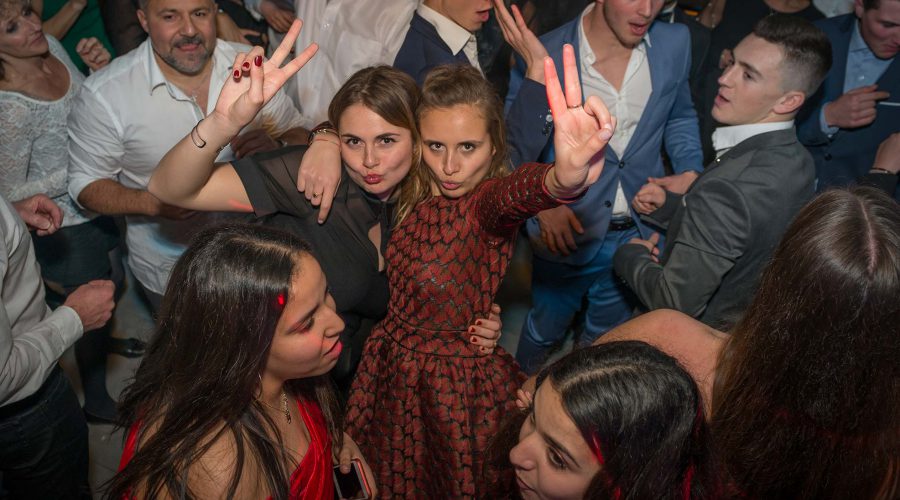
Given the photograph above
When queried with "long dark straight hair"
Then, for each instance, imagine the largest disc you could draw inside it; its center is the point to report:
(639, 412)
(806, 402)
(199, 379)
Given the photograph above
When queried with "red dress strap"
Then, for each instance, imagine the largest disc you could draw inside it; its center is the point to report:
(130, 444)
(313, 479)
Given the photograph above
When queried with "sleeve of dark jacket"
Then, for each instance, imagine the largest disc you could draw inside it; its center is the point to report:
(712, 236)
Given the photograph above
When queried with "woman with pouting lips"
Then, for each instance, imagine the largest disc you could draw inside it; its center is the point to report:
(374, 113)
(424, 401)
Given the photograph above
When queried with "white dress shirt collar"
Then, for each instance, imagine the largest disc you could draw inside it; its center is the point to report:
(725, 138)
(455, 36)
(587, 52)
(156, 78)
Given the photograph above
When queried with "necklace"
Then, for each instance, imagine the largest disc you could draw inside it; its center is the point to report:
(284, 406)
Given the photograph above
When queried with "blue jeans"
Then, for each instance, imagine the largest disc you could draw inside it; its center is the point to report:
(44, 445)
(557, 293)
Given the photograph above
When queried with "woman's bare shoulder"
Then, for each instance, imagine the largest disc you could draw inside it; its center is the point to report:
(211, 473)
(669, 330)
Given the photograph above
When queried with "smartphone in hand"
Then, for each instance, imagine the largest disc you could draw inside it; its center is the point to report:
(353, 485)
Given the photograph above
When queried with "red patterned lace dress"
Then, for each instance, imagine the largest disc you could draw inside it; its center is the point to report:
(424, 405)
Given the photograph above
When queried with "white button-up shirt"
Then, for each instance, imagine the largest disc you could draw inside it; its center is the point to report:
(126, 119)
(455, 36)
(725, 138)
(32, 338)
(626, 104)
(351, 35)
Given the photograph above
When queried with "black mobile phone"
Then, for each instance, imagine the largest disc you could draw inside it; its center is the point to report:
(353, 485)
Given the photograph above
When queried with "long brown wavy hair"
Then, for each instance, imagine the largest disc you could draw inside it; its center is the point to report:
(199, 379)
(806, 402)
(444, 87)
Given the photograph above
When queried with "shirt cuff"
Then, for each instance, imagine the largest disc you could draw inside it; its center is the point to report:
(67, 325)
(823, 125)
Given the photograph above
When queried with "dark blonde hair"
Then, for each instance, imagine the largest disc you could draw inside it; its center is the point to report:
(388, 92)
(11, 8)
(445, 87)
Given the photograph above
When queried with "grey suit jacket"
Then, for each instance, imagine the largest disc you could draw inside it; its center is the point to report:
(721, 233)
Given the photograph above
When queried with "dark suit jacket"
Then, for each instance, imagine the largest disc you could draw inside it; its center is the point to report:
(668, 117)
(722, 232)
(423, 49)
(848, 154)
(700, 37)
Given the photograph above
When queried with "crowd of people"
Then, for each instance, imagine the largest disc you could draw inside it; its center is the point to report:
(319, 215)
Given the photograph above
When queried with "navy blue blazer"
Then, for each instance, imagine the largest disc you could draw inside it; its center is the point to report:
(423, 49)
(848, 154)
(669, 118)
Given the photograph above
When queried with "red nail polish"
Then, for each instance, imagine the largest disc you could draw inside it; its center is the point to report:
(257, 61)
(471, 329)
(472, 339)
(478, 322)
(237, 74)
(246, 65)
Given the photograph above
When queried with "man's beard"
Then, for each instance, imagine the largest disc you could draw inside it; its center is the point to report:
(187, 67)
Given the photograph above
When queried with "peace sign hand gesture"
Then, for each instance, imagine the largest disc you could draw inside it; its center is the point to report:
(242, 97)
(581, 131)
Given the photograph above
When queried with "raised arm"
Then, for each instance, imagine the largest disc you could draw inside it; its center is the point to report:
(63, 20)
(187, 176)
(580, 134)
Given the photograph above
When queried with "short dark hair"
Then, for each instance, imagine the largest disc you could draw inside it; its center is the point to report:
(871, 4)
(806, 50)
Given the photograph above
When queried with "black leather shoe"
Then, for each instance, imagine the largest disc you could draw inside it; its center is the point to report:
(130, 348)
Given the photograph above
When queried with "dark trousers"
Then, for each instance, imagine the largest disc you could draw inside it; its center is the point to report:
(69, 258)
(44, 444)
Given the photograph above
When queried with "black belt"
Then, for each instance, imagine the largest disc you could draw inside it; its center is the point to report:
(621, 224)
(22, 405)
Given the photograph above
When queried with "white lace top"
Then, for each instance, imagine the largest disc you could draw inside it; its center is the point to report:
(34, 153)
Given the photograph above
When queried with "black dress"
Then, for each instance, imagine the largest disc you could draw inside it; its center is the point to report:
(341, 245)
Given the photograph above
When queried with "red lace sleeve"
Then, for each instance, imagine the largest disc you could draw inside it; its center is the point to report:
(501, 205)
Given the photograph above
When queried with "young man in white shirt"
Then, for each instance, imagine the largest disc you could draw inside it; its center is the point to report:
(128, 115)
(721, 232)
(640, 68)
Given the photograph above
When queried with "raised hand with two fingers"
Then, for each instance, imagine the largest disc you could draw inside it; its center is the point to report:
(256, 80)
(581, 130)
